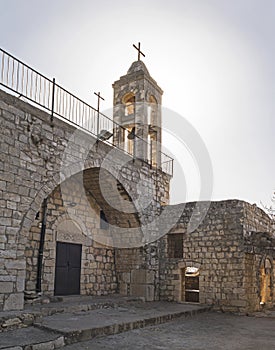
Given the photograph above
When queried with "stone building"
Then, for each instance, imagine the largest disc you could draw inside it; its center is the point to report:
(227, 261)
(80, 215)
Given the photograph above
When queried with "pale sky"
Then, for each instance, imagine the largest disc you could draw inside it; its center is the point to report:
(214, 59)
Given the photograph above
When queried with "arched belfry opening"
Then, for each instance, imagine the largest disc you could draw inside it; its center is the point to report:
(152, 111)
(125, 136)
(129, 104)
(154, 132)
(137, 108)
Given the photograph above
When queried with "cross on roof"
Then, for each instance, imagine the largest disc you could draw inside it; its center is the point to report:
(139, 51)
(98, 99)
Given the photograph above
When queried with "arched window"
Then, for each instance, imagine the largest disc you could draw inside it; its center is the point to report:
(175, 245)
(128, 122)
(129, 103)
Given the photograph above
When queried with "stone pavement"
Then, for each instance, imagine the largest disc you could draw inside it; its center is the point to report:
(204, 331)
(79, 319)
(33, 313)
(115, 322)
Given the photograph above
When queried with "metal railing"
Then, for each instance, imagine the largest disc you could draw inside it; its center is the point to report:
(40, 90)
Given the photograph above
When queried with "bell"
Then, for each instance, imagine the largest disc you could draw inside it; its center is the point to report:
(131, 135)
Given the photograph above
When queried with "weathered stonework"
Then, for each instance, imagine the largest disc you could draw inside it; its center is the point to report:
(36, 157)
(58, 178)
(229, 262)
(141, 92)
(98, 270)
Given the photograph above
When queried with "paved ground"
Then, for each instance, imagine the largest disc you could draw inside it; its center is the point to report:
(83, 318)
(204, 331)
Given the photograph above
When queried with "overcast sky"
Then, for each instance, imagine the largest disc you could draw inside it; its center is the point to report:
(214, 59)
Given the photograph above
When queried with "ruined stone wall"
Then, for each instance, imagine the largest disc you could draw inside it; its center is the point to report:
(255, 219)
(227, 277)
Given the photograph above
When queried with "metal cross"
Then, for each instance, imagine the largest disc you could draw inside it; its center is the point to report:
(98, 99)
(139, 51)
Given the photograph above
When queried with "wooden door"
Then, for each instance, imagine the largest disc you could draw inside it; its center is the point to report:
(192, 289)
(68, 268)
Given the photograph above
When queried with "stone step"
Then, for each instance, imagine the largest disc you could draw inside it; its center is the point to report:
(60, 329)
(33, 313)
(31, 338)
(81, 326)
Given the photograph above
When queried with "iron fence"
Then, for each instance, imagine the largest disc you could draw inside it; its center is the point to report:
(46, 93)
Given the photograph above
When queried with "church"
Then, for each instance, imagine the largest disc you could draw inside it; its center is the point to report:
(85, 205)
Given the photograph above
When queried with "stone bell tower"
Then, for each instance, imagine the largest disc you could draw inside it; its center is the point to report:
(137, 108)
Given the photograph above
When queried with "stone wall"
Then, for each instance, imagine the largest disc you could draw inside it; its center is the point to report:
(38, 161)
(78, 224)
(255, 219)
(36, 157)
(138, 271)
(228, 275)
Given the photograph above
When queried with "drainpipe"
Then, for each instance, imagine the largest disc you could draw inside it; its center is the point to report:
(41, 246)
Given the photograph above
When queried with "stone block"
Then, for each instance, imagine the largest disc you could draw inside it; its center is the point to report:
(126, 277)
(16, 264)
(138, 276)
(11, 322)
(59, 342)
(14, 302)
(142, 276)
(238, 303)
(3, 185)
(142, 290)
(43, 346)
(6, 221)
(150, 293)
(20, 284)
(123, 288)
(6, 287)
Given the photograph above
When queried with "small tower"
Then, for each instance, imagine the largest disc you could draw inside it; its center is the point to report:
(137, 107)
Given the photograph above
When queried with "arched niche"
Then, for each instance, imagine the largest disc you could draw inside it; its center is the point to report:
(70, 231)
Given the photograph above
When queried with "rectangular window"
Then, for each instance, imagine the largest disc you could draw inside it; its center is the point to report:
(175, 245)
